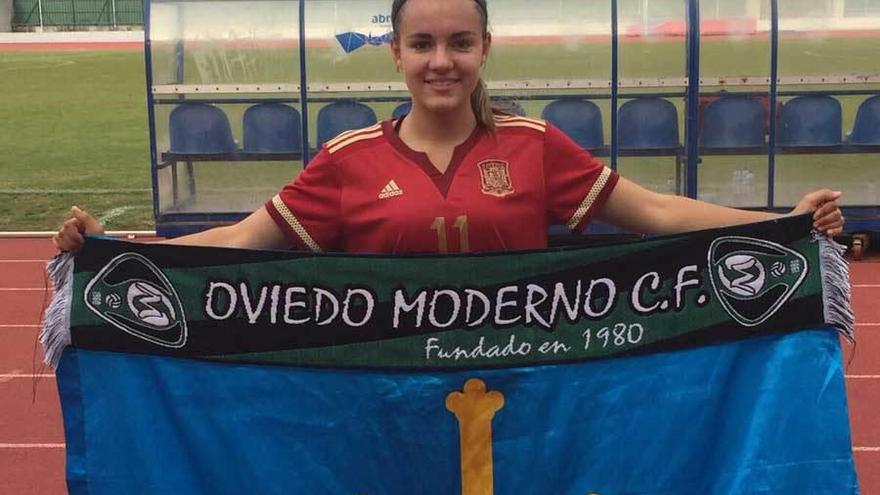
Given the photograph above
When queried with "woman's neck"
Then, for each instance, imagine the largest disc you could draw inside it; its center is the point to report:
(422, 127)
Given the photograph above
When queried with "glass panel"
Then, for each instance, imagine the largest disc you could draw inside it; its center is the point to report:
(652, 63)
(826, 40)
(734, 45)
(552, 45)
(256, 44)
(348, 42)
(862, 8)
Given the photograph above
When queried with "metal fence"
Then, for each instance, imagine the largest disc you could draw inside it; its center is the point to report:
(74, 14)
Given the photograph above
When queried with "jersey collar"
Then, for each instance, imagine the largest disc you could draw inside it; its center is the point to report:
(443, 181)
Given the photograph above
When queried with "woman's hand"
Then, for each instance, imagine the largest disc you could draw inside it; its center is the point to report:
(70, 234)
(827, 217)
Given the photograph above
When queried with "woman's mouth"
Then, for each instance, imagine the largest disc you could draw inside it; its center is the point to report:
(441, 83)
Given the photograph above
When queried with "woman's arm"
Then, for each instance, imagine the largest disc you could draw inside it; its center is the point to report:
(257, 231)
(637, 209)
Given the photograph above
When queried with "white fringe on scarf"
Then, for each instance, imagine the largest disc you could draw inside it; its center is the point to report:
(55, 335)
(835, 286)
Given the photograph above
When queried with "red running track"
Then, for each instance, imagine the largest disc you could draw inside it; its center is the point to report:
(32, 438)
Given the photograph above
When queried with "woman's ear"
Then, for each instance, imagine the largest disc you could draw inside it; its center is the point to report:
(487, 43)
(395, 54)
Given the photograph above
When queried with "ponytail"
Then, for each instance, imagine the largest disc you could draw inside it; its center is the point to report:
(482, 107)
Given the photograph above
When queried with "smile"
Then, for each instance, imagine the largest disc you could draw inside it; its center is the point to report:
(441, 83)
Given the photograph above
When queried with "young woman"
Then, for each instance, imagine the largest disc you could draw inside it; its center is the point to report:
(453, 176)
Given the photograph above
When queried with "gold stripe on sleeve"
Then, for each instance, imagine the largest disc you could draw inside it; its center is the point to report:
(506, 119)
(587, 203)
(353, 139)
(347, 134)
(521, 124)
(297, 227)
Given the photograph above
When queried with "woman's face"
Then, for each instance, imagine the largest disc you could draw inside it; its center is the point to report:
(440, 49)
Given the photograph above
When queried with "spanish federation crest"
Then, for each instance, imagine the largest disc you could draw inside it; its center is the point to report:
(753, 278)
(495, 177)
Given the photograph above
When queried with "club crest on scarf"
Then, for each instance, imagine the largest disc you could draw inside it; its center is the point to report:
(753, 278)
(133, 295)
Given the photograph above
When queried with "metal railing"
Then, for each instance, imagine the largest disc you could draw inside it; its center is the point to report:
(77, 13)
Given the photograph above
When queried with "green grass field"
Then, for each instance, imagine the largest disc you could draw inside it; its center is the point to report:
(73, 125)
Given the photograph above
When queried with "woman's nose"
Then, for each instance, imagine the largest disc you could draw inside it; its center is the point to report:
(440, 58)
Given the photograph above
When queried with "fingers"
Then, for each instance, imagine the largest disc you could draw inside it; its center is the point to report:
(87, 223)
(817, 198)
(831, 224)
(69, 236)
(826, 210)
(828, 219)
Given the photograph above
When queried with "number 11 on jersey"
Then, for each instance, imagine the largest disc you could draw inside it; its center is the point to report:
(461, 224)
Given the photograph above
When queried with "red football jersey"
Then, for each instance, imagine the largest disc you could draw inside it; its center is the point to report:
(368, 192)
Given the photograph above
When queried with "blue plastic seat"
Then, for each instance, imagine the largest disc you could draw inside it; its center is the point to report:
(866, 129)
(272, 128)
(401, 110)
(580, 119)
(508, 105)
(812, 120)
(647, 123)
(733, 122)
(341, 116)
(199, 128)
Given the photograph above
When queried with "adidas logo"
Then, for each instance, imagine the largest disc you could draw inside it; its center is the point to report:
(390, 190)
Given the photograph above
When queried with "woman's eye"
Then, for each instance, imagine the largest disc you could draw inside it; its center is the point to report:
(420, 45)
(463, 45)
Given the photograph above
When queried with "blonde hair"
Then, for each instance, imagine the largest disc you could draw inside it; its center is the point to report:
(481, 105)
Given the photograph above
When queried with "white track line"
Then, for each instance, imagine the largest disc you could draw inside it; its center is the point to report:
(31, 445)
(23, 289)
(866, 286)
(24, 261)
(866, 449)
(17, 376)
(863, 377)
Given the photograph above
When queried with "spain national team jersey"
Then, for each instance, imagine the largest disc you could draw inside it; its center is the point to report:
(368, 192)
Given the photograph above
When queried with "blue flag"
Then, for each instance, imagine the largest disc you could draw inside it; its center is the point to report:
(766, 415)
